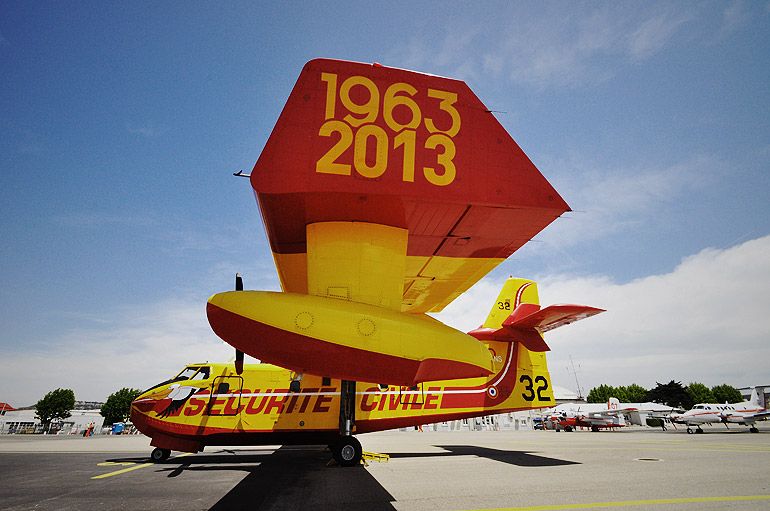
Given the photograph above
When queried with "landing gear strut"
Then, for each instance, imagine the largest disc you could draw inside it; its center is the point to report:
(347, 450)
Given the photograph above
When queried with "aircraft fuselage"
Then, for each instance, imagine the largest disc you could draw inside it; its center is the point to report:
(263, 405)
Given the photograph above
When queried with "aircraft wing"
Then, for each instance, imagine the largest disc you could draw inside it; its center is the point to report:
(738, 418)
(385, 194)
(359, 145)
(604, 414)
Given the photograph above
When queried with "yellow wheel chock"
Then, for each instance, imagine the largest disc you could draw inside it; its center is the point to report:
(373, 456)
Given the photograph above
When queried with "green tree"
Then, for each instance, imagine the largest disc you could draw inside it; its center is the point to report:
(726, 394)
(699, 393)
(601, 394)
(117, 408)
(671, 394)
(636, 393)
(621, 393)
(55, 406)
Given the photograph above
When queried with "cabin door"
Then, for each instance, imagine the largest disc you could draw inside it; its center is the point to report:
(225, 399)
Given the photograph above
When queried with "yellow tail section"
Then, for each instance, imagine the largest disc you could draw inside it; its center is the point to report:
(532, 369)
(514, 292)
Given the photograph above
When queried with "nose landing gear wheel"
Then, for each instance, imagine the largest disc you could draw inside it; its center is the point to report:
(159, 454)
(347, 452)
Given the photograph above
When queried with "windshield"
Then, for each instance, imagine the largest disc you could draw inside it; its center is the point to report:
(188, 373)
(193, 373)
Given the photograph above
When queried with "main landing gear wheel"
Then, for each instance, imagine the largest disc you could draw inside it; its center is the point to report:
(159, 454)
(753, 429)
(347, 452)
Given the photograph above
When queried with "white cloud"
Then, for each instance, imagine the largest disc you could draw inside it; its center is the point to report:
(136, 348)
(556, 46)
(558, 50)
(734, 17)
(705, 321)
(653, 34)
(608, 201)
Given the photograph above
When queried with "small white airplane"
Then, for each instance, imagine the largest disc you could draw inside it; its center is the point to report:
(599, 416)
(746, 413)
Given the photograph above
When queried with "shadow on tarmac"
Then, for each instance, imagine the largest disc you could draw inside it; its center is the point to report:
(298, 477)
(292, 477)
(519, 458)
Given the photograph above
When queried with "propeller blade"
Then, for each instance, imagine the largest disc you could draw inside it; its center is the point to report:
(238, 361)
(238, 353)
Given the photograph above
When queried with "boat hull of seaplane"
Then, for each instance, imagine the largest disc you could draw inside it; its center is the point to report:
(345, 340)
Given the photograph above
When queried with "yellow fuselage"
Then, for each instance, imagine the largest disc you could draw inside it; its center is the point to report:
(261, 406)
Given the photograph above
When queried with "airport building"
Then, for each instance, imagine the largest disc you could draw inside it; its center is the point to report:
(14, 421)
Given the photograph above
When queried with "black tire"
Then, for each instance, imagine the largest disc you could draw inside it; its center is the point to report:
(594, 428)
(159, 454)
(347, 451)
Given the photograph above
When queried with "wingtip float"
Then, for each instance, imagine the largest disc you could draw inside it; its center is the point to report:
(346, 340)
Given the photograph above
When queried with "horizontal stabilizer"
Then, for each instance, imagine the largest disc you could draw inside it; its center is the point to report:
(528, 321)
(550, 317)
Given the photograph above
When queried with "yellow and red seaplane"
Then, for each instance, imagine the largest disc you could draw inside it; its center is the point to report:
(385, 194)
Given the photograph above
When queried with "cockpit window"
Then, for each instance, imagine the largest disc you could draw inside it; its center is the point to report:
(202, 374)
(188, 373)
(193, 373)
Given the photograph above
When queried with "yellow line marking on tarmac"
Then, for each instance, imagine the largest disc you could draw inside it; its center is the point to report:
(129, 469)
(121, 471)
(632, 503)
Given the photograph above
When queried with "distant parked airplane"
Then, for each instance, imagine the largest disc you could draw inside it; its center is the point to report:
(599, 416)
(746, 413)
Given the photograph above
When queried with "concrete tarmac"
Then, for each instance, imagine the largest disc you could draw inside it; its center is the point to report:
(642, 468)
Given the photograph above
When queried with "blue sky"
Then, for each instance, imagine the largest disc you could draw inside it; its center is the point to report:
(121, 125)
